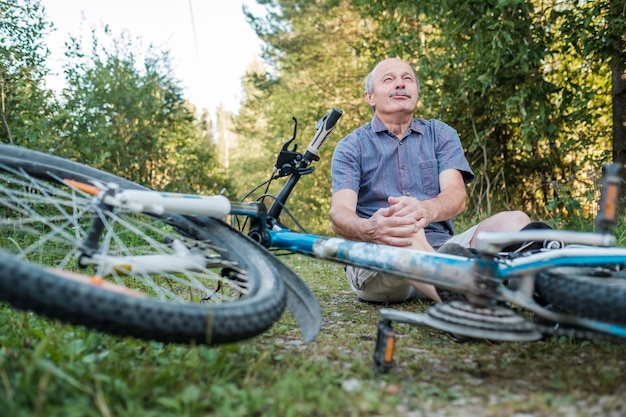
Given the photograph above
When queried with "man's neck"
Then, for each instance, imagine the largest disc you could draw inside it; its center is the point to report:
(396, 123)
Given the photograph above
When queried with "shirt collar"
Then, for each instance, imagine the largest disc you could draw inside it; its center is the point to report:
(416, 126)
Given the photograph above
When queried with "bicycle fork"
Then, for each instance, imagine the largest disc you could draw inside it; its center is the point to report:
(183, 258)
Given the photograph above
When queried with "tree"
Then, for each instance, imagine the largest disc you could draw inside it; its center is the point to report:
(595, 29)
(512, 76)
(311, 66)
(126, 114)
(26, 107)
(617, 48)
(502, 73)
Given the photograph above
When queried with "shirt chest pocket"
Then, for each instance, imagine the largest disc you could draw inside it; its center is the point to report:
(429, 176)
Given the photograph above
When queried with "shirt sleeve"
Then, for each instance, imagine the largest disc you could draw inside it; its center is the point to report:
(450, 153)
(345, 166)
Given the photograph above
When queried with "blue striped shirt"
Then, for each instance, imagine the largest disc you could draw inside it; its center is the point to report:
(375, 164)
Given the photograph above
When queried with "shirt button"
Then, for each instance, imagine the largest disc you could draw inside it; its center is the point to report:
(408, 193)
(404, 167)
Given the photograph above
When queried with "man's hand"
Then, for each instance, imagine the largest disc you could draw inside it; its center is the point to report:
(396, 225)
(410, 207)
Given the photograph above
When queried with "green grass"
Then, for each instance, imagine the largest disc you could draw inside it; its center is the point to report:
(51, 369)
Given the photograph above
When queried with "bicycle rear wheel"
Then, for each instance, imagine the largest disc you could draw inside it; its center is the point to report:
(595, 293)
(232, 294)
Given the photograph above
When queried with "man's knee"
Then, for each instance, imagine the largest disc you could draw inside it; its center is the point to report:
(504, 221)
(518, 217)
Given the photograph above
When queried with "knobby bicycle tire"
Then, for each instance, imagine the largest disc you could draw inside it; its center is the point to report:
(595, 293)
(170, 312)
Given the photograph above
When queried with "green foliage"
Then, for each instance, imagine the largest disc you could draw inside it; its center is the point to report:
(121, 111)
(312, 67)
(532, 107)
(535, 126)
(527, 84)
(124, 113)
(26, 107)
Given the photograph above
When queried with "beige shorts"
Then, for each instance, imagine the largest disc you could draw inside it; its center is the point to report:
(464, 238)
(386, 288)
(378, 286)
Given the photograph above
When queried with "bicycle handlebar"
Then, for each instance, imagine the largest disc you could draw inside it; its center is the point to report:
(324, 126)
(293, 164)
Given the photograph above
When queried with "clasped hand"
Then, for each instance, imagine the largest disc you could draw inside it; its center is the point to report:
(397, 224)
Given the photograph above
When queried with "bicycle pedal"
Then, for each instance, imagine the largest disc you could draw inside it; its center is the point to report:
(385, 345)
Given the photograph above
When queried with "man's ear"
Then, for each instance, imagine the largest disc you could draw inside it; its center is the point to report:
(369, 98)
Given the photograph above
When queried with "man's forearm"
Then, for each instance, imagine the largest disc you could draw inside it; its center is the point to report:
(446, 205)
(348, 225)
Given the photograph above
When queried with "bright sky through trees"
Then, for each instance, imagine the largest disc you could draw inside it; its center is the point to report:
(210, 42)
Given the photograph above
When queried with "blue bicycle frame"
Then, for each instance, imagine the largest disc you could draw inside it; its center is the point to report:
(461, 274)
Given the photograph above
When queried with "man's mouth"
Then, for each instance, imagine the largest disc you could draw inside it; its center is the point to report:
(401, 93)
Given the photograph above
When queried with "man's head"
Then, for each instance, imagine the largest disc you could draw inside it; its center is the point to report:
(392, 87)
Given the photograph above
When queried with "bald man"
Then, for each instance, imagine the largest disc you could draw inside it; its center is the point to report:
(400, 180)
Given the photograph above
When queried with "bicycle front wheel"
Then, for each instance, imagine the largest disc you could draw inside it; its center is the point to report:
(199, 283)
(591, 292)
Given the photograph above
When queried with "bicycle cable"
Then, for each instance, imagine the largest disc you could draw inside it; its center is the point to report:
(286, 210)
(235, 219)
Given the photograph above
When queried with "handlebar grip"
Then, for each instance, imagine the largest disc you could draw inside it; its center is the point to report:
(324, 126)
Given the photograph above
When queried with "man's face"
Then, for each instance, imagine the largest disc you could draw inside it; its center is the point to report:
(395, 87)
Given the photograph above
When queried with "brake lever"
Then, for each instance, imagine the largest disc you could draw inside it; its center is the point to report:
(287, 159)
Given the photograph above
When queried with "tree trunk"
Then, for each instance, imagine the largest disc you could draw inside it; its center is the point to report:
(619, 112)
(618, 71)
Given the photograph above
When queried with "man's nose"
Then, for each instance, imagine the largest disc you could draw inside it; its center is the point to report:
(400, 84)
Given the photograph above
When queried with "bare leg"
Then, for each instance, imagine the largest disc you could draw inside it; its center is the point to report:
(420, 243)
(505, 221)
